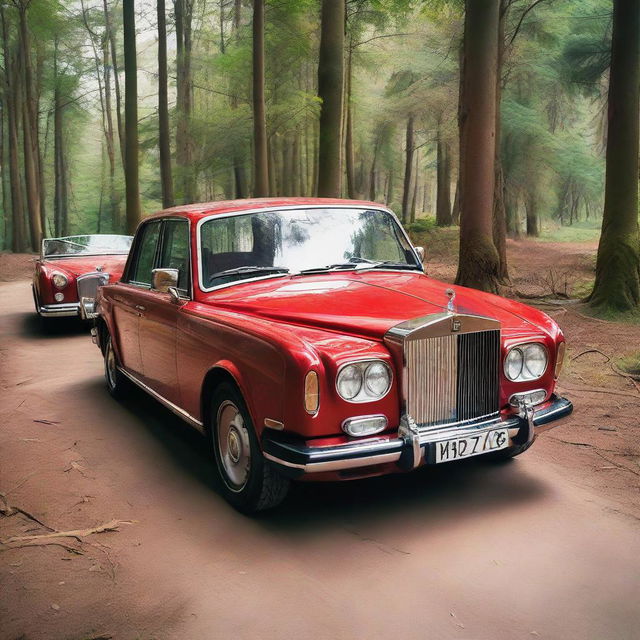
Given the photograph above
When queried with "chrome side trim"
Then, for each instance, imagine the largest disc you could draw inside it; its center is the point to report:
(338, 465)
(62, 310)
(187, 417)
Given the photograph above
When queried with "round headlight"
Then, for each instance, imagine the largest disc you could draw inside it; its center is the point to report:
(513, 364)
(526, 362)
(535, 361)
(377, 379)
(349, 381)
(59, 280)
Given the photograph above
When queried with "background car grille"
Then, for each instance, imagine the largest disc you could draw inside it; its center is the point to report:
(452, 378)
(88, 284)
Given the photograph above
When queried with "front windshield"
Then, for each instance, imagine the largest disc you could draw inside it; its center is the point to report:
(298, 240)
(93, 245)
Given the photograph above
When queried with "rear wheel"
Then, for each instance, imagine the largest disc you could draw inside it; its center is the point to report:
(117, 383)
(248, 482)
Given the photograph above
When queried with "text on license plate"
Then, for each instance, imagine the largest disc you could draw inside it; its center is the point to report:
(448, 450)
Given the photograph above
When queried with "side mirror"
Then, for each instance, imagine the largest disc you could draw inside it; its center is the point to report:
(163, 279)
(420, 252)
(174, 295)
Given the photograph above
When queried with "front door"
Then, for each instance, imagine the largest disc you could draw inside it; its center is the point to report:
(127, 304)
(159, 318)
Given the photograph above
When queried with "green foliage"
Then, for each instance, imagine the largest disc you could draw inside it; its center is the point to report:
(422, 225)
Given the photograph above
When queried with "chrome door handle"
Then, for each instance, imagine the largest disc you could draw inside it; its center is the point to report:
(139, 307)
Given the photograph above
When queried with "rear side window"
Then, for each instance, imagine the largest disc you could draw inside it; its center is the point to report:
(146, 253)
(175, 250)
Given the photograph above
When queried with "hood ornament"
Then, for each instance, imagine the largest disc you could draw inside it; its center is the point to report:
(451, 307)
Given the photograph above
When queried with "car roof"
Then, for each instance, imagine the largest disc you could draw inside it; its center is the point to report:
(197, 211)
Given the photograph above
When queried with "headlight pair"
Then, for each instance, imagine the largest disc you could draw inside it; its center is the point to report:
(526, 362)
(364, 381)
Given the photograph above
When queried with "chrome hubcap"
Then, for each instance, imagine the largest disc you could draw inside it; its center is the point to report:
(233, 446)
(111, 366)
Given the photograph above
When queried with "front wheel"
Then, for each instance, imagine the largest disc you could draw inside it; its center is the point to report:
(117, 383)
(248, 482)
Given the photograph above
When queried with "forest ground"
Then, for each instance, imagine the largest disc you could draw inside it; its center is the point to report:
(546, 546)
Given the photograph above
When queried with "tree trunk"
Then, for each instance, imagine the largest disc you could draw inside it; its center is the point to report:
(163, 110)
(531, 206)
(479, 262)
(443, 171)
(349, 152)
(60, 191)
(18, 242)
(499, 211)
(330, 90)
(408, 166)
(617, 284)
(110, 35)
(29, 126)
(134, 214)
(184, 142)
(260, 150)
(414, 198)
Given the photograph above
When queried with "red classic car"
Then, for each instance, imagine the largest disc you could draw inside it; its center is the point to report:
(70, 269)
(304, 339)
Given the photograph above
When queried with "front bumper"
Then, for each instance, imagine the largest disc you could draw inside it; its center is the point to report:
(64, 309)
(412, 449)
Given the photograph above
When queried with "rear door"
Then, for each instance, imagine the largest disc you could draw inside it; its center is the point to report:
(128, 305)
(158, 321)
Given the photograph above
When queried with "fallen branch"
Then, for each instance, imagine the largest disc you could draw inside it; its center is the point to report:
(78, 534)
(626, 375)
(620, 466)
(6, 546)
(600, 390)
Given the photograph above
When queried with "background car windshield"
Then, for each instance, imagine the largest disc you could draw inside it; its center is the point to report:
(92, 245)
(300, 239)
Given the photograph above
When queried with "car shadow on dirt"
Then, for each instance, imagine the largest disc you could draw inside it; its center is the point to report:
(37, 328)
(456, 490)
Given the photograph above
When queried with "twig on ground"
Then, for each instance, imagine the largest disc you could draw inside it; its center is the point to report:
(6, 546)
(8, 510)
(50, 422)
(620, 466)
(582, 353)
(633, 379)
(600, 390)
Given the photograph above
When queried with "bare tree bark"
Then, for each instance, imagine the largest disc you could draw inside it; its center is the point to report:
(60, 200)
(617, 284)
(131, 173)
(260, 151)
(349, 152)
(330, 91)
(163, 110)
(479, 262)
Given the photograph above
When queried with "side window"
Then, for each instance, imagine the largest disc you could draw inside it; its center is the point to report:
(146, 252)
(175, 250)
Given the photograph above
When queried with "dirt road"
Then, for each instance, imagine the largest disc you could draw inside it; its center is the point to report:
(529, 549)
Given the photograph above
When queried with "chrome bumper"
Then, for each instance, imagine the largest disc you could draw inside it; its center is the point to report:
(413, 448)
(61, 310)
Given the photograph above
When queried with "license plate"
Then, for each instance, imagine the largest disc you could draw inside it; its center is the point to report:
(458, 448)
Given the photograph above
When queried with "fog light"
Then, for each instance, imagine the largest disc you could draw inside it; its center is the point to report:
(529, 398)
(59, 297)
(364, 425)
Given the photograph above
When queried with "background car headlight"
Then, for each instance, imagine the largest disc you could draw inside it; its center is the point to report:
(364, 381)
(59, 280)
(526, 362)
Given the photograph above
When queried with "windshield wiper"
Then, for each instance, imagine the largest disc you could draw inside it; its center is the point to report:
(394, 265)
(362, 265)
(251, 269)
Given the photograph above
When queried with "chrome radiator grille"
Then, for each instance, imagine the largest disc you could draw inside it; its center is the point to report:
(88, 284)
(452, 378)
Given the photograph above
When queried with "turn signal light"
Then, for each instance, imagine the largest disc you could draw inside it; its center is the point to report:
(311, 392)
(562, 347)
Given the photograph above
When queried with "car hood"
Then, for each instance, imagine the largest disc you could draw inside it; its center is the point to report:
(77, 265)
(370, 303)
